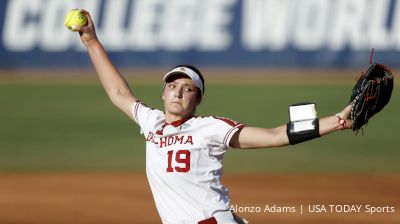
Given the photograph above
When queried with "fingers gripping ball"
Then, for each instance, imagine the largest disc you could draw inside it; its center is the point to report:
(75, 19)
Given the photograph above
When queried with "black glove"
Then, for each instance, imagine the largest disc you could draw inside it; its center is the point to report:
(370, 94)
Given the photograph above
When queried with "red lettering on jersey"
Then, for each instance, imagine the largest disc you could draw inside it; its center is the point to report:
(178, 139)
(189, 139)
(173, 140)
(150, 137)
(163, 142)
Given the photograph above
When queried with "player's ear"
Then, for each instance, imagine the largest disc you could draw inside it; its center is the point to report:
(163, 94)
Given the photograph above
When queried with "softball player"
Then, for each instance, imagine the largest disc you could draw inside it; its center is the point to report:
(184, 152)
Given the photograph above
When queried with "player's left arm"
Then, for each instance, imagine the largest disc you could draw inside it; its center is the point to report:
(254, 137)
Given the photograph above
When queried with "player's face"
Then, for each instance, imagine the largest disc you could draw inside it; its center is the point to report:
(180, 96)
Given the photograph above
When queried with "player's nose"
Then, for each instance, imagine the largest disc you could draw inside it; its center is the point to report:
(178, 93)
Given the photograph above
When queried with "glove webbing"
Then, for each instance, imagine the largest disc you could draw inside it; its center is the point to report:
(373, 89)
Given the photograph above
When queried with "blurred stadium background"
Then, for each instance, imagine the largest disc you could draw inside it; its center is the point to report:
(58, 130)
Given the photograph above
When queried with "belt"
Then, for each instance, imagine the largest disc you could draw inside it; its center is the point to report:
(211, 220)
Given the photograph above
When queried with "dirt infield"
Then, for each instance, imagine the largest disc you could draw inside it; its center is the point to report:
(59, 198)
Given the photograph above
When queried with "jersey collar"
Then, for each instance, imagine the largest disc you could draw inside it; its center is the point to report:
(176, 124)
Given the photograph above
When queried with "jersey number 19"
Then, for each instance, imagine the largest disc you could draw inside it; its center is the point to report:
(182, 157)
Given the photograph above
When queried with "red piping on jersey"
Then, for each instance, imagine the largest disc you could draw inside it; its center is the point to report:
(176, 123)
(226, 120)
(239, 126)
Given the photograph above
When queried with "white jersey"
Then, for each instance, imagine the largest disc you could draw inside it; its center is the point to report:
(183, 164)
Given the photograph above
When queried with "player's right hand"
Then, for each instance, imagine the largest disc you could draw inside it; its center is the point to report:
(88, 32)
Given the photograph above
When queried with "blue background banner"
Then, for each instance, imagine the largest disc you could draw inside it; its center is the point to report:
(223, 33)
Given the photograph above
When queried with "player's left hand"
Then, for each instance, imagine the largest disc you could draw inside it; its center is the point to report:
(346, 115)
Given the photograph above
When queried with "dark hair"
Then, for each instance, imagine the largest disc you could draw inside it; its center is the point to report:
(199, 96)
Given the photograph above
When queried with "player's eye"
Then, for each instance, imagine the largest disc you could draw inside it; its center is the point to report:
(188, 89)
(171, 85)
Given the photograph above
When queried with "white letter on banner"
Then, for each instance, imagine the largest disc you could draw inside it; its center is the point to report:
(266, 24)
(113, 29)
(311, 24)
(378, 32)
(93, 7)
(178, 25)
(55, 37)
(349, 26)
(144, 19)
(213, 33)
(20, 33)
(395, 37)
(252, 20)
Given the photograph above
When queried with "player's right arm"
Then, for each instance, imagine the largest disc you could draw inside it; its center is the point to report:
(113, 82)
